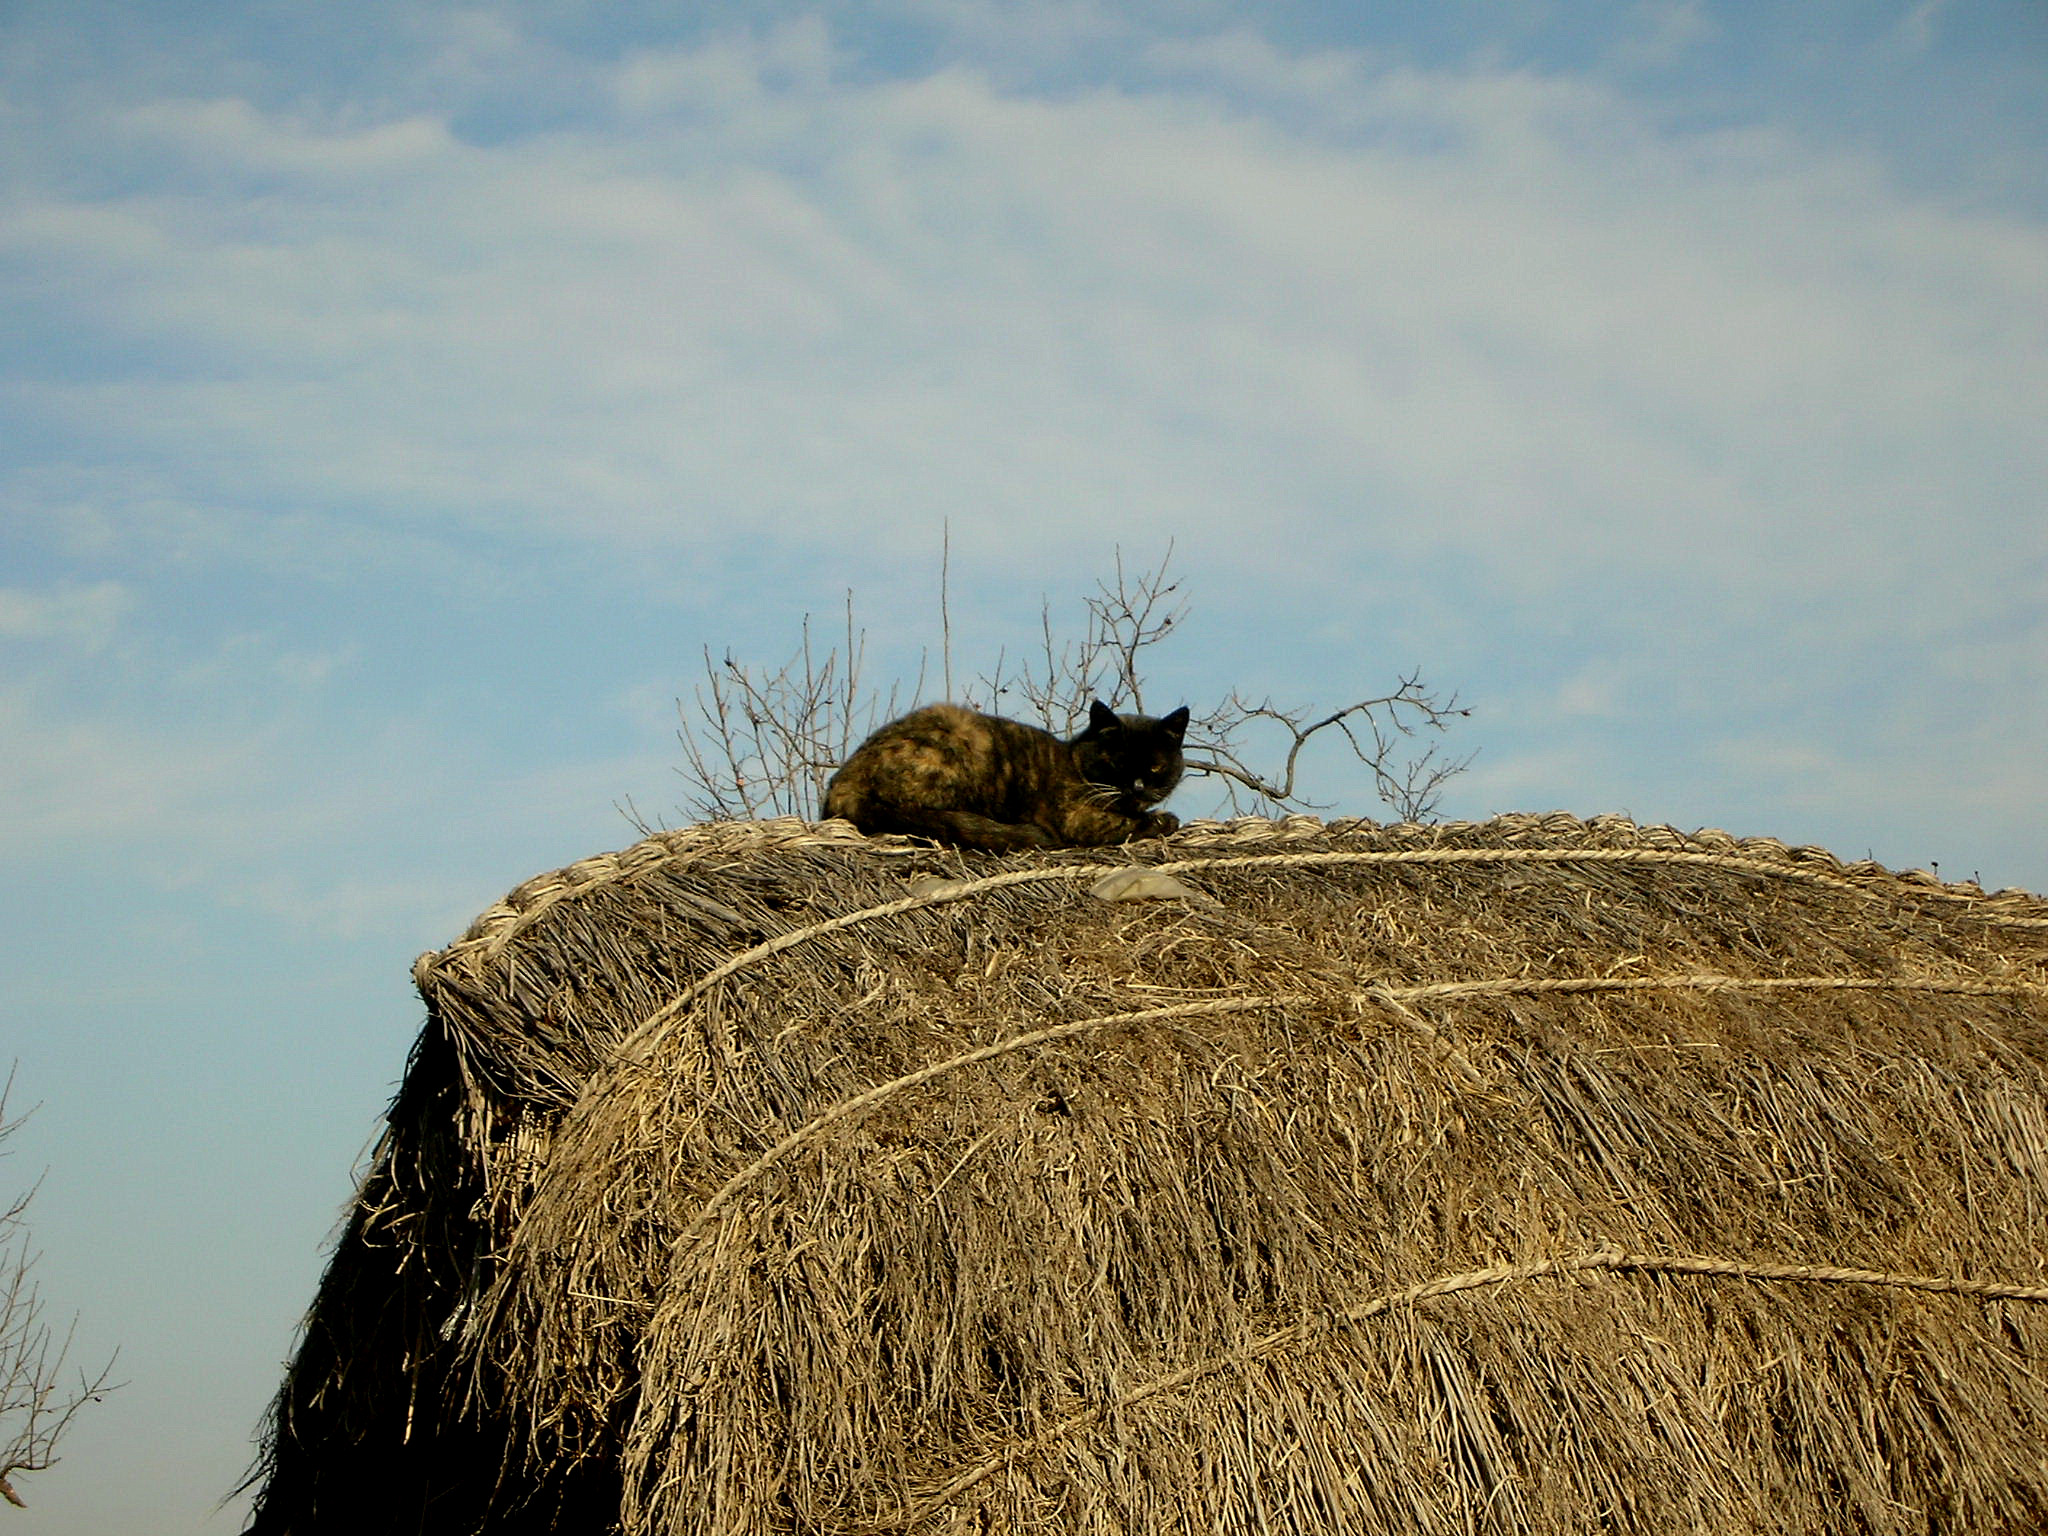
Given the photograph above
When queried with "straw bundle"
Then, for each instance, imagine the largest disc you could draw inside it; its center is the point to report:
(1536, 1175)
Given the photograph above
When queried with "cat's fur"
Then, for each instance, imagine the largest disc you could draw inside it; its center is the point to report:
(957, 775)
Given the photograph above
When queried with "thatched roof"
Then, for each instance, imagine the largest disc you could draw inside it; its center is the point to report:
(1537, 1175)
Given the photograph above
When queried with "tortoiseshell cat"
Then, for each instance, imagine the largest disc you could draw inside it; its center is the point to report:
(957, 775)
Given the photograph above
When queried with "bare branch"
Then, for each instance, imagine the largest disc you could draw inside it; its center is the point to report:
(1375, 730)
(36, 1405)
(765, 742)
(1122, 620)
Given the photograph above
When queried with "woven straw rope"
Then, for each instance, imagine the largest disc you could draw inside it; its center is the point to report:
(495, 928)
(1302, 1333)
(815, 1127)
(1510, 986)
(960, 891)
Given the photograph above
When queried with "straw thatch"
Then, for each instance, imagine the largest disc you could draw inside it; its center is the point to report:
(1537, 1175)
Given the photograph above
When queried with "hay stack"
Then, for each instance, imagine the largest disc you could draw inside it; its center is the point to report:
(1532, 1176)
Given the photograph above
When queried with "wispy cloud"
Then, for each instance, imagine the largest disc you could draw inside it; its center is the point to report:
(1916, 30)
(72, 614)
(1659, 34)
(752, 292)
(1497, 305)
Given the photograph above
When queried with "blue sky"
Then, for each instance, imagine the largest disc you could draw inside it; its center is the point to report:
(396, 399)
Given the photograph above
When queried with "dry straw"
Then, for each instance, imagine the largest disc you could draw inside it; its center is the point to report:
(1531, 1176)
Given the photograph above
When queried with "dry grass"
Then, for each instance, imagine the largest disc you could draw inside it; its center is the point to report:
(754, 1180)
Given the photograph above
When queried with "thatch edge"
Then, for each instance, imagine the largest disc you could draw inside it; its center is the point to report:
(498, 925)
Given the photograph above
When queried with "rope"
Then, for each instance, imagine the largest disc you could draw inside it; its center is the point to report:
(811, 1129)
(796, 936)
(1707, 981)
(815, 1127)
(1989, 1290)
(961, 890)
(1614, 1259)
(1530, 856)
(494, 929)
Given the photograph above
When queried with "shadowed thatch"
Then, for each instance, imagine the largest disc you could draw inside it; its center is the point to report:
(1536, 1175)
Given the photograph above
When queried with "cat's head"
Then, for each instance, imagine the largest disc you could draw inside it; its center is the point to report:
(1135, 757)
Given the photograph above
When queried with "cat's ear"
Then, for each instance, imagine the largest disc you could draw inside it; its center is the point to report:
(1177, 723)
(1101, 717)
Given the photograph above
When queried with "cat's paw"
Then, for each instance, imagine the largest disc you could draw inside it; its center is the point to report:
(1158, 824)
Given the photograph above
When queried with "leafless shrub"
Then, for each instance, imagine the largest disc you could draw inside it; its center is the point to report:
(36, 1403)
(1378, 732)
(1123, 621)
(763, 742)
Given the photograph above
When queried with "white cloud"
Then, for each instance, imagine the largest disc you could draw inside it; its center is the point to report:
(1716, 395)
(229, 135)
(404, 828)
(69, 774)
(1660, 33)
(1565, 777)
(85, 616)
(1248, 63)
(1773, 758)
(1915, 31)
(1022, 33)
(1507, 308)
(1591, 693)
(739, 71)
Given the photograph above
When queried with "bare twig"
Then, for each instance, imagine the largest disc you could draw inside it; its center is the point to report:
(1374, 729)
(765, 742)
(1123, 619)
(36, 1405)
